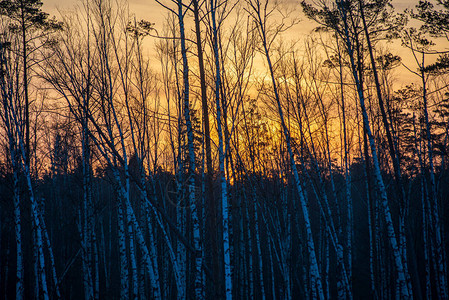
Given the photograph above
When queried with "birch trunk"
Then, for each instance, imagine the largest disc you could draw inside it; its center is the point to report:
(191, 156)
(50, 252)
(404, 290)
(221, 159)
(124, 277)
(34, 206)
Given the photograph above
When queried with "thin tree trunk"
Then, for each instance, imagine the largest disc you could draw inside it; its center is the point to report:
(18, 228)
(191, 155)
(124, 277)
(424, 201)
(440, 260)
(50, 252)
(314, 269)
(405, 293)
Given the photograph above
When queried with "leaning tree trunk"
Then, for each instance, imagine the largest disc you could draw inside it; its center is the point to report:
(314, 268)
(404, 290)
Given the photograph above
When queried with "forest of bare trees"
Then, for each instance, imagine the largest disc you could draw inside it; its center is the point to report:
(224, 153)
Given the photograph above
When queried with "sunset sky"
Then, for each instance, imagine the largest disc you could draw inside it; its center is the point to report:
(151, 11)
(223, 154)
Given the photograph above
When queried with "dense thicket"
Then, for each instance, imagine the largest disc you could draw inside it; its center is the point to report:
(221, 155)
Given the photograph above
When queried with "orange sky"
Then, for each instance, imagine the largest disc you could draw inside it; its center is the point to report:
(152, 11)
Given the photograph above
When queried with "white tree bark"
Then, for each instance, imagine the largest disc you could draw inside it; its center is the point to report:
(221, 159)
(391, 235)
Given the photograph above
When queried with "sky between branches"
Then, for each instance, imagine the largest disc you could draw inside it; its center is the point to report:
(151, 11)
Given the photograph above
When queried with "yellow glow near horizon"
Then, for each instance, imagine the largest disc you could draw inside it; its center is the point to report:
(152, 11)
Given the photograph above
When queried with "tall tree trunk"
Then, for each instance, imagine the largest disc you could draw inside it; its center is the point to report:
(434, 208)
(50, 251)
(221, 159)
(404, 290)
(25, 84)
(211, 216)
(314, 269)
(191, 156)
(124, 273)
(425, 212)
(393, 150)
(17, 226)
